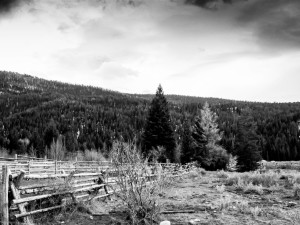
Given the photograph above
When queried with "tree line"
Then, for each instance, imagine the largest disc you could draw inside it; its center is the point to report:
(34, 112)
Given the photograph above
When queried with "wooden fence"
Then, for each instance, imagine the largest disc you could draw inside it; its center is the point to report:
(26, 193)
(58, 167)
(54, 167)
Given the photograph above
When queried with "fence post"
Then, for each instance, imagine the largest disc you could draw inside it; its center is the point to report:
(4, 196)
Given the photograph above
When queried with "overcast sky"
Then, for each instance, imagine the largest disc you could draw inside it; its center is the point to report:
(248, 50)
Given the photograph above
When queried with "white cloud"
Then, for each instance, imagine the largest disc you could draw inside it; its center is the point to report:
(187, 49)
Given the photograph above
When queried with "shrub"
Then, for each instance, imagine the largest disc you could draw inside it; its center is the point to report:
(135, 188)
(177, 154)
(232, 163)
(222, 174)
(230, 181)
(243, 206)
(266, 180)
(220, 188)
(253, 189)
(202, 171)
(256, 211)
(193, 174)
(5, 153)
(57, 150)
(217, 158)
(225, 203)
(290, 181)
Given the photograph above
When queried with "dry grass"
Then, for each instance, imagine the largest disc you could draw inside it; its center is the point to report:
(253, 189)
(265, 180)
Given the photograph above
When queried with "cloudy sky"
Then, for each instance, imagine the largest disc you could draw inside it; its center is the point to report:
(247, 50)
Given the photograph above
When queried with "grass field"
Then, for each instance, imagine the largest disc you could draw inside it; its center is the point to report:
(214, 198)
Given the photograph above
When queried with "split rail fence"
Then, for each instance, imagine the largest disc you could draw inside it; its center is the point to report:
(44, 166)
(27, 191)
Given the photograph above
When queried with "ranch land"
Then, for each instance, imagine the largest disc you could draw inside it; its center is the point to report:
(203, 197)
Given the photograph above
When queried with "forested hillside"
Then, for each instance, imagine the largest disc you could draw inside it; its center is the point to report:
(34, 112)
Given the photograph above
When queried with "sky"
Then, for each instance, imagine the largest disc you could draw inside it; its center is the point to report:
(246, 50)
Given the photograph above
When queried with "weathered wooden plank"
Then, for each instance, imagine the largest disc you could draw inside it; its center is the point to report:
(33, 198)
(47, 176)
(38, 211)
(21, 207)
(4, 196)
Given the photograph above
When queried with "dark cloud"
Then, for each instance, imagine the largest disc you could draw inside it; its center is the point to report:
(207, 3)
(276, 23)
(7, 6)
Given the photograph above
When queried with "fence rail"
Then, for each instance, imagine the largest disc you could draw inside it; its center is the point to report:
(60, 167)
(54, 167)
(79, 181)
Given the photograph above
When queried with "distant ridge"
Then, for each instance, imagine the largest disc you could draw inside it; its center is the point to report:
(88, 117)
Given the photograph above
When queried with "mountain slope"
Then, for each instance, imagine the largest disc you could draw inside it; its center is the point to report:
(91, 117)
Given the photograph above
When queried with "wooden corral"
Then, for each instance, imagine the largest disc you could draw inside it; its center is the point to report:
(25, 194)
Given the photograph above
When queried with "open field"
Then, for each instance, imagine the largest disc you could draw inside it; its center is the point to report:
(212, 198)
(293, 165)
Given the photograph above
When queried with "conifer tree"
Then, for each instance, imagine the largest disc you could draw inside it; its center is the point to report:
(199, 142)
(158, 130)
(51, 133)
(187, 153)
(247, 143)
(210, 125)
(206, 136)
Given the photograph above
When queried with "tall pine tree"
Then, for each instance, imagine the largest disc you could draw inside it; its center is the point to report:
(158, 130)
(210, 125)
(247, 143)
(187, 153)
(199, 143)
(206, 136)
(217, 157)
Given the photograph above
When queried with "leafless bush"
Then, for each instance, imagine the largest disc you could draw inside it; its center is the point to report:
(232, 162)
(137, 187)
(57, 150)
(90, 155)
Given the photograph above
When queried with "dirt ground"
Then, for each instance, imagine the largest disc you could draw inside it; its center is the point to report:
(211, 203)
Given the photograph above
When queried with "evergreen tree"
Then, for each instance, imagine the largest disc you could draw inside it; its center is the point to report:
(158, 130)
(199, 143)
(187, 153)
(51, 133)
(210, 125)
(207, 135)
(247, 143)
